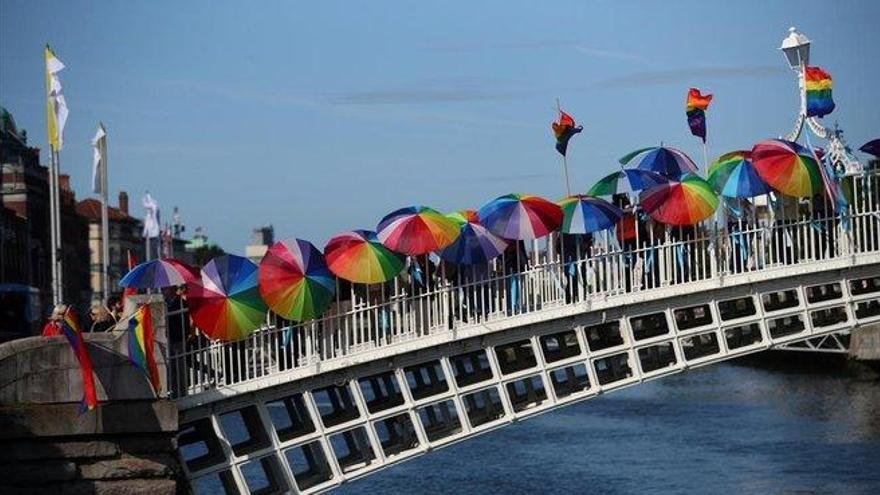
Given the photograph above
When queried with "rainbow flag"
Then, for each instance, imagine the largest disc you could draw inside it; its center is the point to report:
(140, 344)
(71, 329)
(564, 129)
(818, 87)
(695, 108)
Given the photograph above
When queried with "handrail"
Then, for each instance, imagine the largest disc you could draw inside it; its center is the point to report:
(553, 275)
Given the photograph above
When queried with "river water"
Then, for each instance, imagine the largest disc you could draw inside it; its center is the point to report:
(726, 428)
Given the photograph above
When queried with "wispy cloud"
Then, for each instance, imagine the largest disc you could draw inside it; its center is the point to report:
(686, 75)
(508, 178)
(236, 94)
(578, 46)
(507, 45)
(429, 91)
(609, 54)
(410, 96)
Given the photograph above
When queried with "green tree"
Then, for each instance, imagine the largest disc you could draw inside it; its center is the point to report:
(203, 254)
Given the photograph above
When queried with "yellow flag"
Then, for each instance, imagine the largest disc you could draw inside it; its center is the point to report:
(56, 105)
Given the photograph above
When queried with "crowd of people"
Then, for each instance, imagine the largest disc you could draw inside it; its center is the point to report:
(101, 317)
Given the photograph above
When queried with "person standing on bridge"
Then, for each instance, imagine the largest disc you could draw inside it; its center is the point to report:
(52, 328)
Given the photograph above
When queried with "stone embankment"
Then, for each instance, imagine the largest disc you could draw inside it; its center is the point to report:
(47, 445)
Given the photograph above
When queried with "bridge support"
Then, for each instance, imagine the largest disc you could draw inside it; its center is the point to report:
(314, 432)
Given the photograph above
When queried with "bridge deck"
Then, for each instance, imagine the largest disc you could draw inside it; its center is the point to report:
(395, 371)
(553, 280)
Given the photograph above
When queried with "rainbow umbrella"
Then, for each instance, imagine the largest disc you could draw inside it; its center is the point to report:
(520, 217)
(156, 274)
(225, 303)
(733, 175)
(475, 244)
(585, 214)
(358, 256)
(416, 230)
(787, 167)
(637, 179)
(684, 202)
(294, 280)
(665, 161)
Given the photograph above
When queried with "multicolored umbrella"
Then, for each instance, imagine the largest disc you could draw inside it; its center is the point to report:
(225, 303)
(872, 147)
(358, 256)
(684, 202)
(156, 274)
(733, 175)
(416, 230)
(585, 214)
(637, 179)
(787, 167)
(669, 162)
(520, 217)
(294, 280)
(475, 244)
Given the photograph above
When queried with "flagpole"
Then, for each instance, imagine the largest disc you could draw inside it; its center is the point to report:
(53, 183)
(105, 222)
(58, 233)
(705, 156)
(564, 159)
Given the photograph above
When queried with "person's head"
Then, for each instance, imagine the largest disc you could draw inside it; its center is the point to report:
(114, 303)
(620, 200)
(99, 312)
(58, 312)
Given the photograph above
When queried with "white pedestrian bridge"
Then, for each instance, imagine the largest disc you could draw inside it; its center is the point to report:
(397, 370)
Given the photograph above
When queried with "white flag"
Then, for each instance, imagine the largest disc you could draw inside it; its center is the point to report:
(151, 219)
(98, 160)
(57, 103)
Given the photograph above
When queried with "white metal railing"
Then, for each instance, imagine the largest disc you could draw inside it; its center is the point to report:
(554, 272)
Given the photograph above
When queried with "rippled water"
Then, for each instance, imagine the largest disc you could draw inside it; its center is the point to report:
(726, 428)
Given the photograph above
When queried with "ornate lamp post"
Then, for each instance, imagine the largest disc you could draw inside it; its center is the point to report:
(796, 48)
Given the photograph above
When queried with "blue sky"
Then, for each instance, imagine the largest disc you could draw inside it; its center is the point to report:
(320, 117)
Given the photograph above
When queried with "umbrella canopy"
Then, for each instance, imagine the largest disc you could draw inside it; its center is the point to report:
(637, 179)
(225, 302)
(475, 244)
(416, 230)
(872, 147)
(294, 280)
(669, 162)
(520, 217)
(684, 202)
(585, 214)
(156, 274)
(358, 256)
(787, 167)
(733, 175)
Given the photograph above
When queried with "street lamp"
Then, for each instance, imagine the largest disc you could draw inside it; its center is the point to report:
(796, 48)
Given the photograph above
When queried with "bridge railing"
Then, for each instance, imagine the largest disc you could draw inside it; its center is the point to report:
(555, 272)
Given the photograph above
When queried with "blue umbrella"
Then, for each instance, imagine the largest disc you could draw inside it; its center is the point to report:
(585, 214)
(668, 162)
(733, 175)
(872, 147)
(475, 244)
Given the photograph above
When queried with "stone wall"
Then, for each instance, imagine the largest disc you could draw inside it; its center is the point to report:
(865, 343)
(47, 445)
(121, 447)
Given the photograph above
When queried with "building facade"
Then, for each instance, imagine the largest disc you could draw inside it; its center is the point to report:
(125, 237)
(26, 255)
